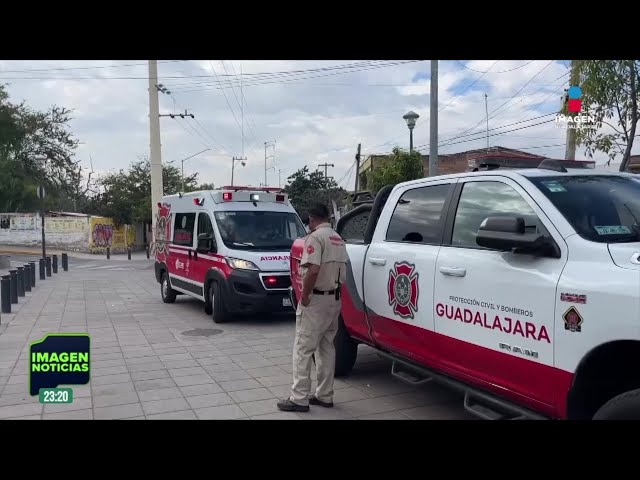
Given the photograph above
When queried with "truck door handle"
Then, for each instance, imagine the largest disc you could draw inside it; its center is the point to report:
(377, 261)
(453, 271)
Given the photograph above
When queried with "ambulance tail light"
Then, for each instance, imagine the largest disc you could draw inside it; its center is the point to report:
(279, 198)
(227, 196)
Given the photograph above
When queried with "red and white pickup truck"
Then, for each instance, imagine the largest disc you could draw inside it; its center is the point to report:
(519, 287)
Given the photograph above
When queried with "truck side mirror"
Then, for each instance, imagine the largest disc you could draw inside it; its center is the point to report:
(509, 234)
(205, 243)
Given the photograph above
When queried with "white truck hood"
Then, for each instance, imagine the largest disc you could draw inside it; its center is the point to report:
(626, 255)
(265, 261)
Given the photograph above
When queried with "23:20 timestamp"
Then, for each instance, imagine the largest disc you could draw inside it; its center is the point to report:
(56, 395)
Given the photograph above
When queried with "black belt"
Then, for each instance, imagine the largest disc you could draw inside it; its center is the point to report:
(326, 292)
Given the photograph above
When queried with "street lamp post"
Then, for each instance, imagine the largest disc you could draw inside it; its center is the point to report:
(184, 160)
(242, 161)
(411, 117)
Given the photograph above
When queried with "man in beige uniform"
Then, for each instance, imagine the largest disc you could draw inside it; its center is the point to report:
(324, 270)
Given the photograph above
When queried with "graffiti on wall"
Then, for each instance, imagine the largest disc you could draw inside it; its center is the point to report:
(162, 235)
(23, 222)
(65, 225)
(104, 233)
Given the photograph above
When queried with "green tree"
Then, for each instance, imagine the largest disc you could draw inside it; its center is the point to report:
(611, 93)
(126, 194)
(401, 166)
(306, 188)
(36, 148)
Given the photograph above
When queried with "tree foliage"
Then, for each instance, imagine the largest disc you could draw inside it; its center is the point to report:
(126, 194)
(611, 93)
(306, 188)
(37, 148)
(402, 166)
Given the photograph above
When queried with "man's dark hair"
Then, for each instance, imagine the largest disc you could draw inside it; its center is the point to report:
(319, 211)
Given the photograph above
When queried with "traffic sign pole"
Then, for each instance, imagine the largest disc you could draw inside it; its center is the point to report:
(41, 195)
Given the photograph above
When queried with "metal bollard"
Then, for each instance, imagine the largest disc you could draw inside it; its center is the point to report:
(65, 262)
(48, 266)
(27, 277)
(55, 264)
(20, 281)
(33, 274)
(108, 253)
(13, 274)
(5, 293)
(42, 269)
(129, 253)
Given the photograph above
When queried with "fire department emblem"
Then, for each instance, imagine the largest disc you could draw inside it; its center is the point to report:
(163, 229)
(572, 320)
(403, 289)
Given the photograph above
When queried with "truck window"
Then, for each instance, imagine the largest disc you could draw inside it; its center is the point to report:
(480, 200)
(183, 229)
(417, 217)
(600, 208)
(354, 228)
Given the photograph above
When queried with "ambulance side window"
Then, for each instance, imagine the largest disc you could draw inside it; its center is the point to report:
(183, 229)
(205, 226)
(418, 216)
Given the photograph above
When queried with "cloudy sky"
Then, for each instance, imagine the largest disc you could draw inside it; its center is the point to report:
(314, 112)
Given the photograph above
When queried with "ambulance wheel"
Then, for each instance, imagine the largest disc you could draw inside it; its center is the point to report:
(168, 294)
(220, 314)
(346, 351)
(208, 309)
(625, 406)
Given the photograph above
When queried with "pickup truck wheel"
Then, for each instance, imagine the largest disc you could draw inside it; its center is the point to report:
(220, 314)
(168, 294)
(346, 351)
(625, 406)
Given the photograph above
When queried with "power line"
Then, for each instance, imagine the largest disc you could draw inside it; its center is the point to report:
(86, 68)
(503, 71)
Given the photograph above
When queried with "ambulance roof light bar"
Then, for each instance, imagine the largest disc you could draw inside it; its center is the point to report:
(236, 188)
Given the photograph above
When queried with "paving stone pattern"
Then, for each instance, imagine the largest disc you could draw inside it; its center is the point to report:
(144, 366)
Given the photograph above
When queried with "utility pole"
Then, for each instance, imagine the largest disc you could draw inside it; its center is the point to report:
(156, 155)
(325, 165)
(570, 153)
(433, 121)
(357, 167)
(486, 108)
(266, 157)
(279, 178)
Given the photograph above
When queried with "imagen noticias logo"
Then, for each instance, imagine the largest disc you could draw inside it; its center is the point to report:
(575, 99)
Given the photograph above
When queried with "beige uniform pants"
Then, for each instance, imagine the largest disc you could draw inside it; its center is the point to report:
(316, 328)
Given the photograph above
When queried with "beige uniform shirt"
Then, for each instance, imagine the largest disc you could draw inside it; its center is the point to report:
(324, 247)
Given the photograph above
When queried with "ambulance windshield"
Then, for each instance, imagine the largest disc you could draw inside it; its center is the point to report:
(259, 230)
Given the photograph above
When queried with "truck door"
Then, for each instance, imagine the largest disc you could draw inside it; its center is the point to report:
(494, 310)
(400, 266)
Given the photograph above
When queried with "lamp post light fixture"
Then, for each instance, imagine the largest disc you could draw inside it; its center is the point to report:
(184, 160)
(243, 162)
(411, 117)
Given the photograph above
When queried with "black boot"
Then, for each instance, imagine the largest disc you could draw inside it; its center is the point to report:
(289, 406)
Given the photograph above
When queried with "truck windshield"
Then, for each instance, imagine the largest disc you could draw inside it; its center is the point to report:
(256, 230)
(601, 208)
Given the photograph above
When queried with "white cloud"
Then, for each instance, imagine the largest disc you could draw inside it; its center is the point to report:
(314, 116)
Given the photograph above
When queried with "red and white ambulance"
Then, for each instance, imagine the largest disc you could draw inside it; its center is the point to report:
(228, 248)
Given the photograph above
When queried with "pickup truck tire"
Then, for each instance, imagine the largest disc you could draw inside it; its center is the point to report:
(167, 293)
(625, 406)
(220, 313)
(346, 351)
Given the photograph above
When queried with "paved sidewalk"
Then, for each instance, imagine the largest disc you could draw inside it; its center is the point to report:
(156, 361)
